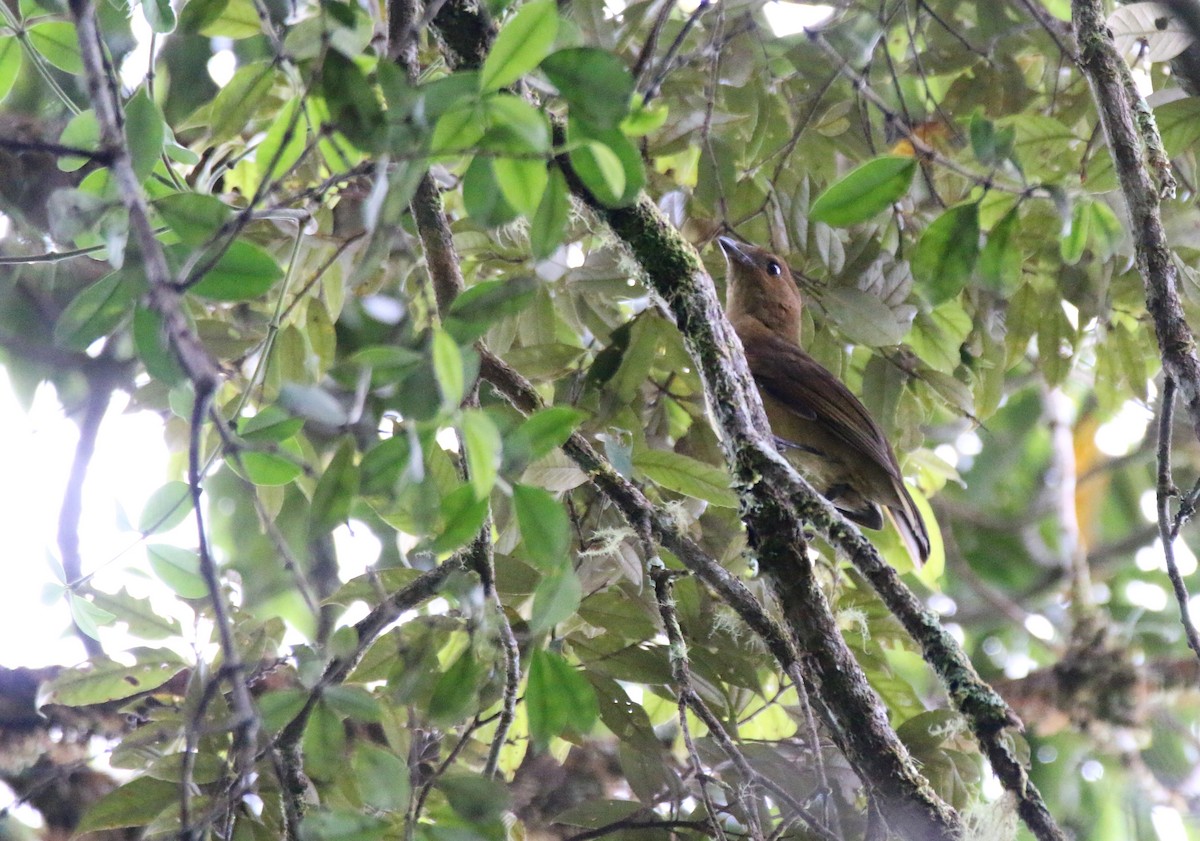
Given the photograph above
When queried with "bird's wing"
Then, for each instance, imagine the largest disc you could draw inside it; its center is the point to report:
(798, 381)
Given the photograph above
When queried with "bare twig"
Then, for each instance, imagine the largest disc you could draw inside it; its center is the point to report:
(1165, 490)
(512, 685)
(681, 674)
(17, 145)
(666, 64)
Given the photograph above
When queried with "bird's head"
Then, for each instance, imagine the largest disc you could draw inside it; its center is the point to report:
(759, 285)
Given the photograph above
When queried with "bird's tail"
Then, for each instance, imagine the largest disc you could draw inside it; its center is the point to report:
(911, 525)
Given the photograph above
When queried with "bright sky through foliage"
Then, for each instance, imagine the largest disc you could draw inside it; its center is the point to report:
(130, 462)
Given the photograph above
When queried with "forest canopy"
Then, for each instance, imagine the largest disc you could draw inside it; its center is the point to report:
(445, 275)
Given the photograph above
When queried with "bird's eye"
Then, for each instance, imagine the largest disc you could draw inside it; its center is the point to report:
(774, 269)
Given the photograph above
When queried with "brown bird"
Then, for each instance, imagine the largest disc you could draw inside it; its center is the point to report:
(818, 423)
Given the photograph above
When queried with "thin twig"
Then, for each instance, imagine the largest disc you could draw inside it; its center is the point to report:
(665, 66)
(512, 685)
(681, 674)
(1165, 490)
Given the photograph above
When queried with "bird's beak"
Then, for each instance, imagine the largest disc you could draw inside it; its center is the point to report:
(733, 251)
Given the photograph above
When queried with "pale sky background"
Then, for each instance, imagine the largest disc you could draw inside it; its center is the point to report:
(130, 462)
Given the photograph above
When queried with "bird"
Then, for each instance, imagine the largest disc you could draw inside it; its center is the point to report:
(817, 422)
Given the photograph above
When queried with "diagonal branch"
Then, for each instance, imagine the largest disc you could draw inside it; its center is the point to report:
(767, 485)
(776, 498)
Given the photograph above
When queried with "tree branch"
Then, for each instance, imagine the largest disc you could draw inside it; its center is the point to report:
(166, 300)
(1164, 491)
(1106, 72)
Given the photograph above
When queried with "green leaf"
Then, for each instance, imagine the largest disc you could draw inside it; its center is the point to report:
(485, 303)
(545, 529)
(861, 317)
(240, 99)
(194, 217)
(135, 803)
(57, 42)
(555, 600)
(313, 403)
(144, 132)
(159, 15)
(592, 155)
(137, 615)
(549, 222)
(103, 680)
(463, 514)
(520, 45)
(197, 14)
(353, 104)
(937, 337)
(82, 132)
(473, 797)
(1106, 229)
(279, 707)
(541, 432)
(381, 777)
(95, 312)
(87, 616)
(10, 65)
(522, 181)
(448, 93)
(514, 127)
(244, 271)
(596, 84)
(642, 119)
(946, 253)
(268, 468)
(354, 702)
(285, 141)
(557, 696)
(324, 741)
(150, 341)
(343, 825)
(235, 19)
(482, 197)
(270, 424)
(482, 447)
(448, 368)
(179, 569)
(1072, 244)
(459, 128)
(1000, 260)
(454, 693)
(864, 191)
(688, 476)
(384, 464)
(601, 171)
(335, 492)
(166, 508)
